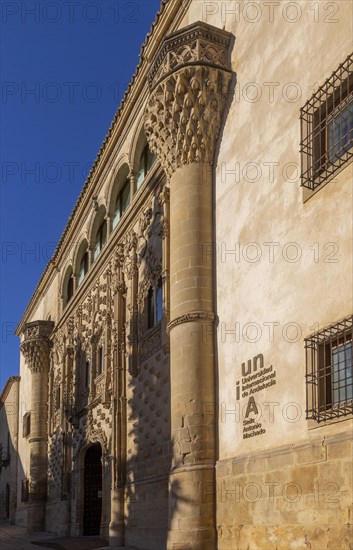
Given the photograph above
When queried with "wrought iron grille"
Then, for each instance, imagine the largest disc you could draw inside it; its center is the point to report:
(329, 372)
(327, 128)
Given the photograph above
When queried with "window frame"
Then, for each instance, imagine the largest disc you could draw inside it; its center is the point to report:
(101, 238)
(154, 312)
(329, 102)
(69, 289)
(119, 205)
(146, 162)
(321, 405)
(84, 263)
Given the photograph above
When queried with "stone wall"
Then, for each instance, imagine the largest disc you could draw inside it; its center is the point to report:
(9, 448)
(293, 496)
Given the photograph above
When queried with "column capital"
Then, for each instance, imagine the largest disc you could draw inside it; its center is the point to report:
(189, 85)
(36, 344)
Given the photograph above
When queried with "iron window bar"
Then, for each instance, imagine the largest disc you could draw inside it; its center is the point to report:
(327, 127)
(329, 372)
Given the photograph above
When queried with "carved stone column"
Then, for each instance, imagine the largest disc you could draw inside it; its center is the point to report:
(189, 86)
(36, 350)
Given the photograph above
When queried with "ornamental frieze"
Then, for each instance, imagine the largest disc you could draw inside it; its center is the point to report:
(190, 317)
(197, 43)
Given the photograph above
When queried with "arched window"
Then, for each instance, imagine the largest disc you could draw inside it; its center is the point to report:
(98, 233)
(146, 160)
(154, 305)
(122, 202)
(68, 287)
(101, 238)
(83, 267)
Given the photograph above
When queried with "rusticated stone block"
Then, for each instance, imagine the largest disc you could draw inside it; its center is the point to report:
(330, 474)
(339, 449)
(304, 477)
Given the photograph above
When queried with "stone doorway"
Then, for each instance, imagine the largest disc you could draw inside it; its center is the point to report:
(92, 490)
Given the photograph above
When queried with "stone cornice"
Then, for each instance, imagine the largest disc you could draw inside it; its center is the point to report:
(169, 16)
(198, 43)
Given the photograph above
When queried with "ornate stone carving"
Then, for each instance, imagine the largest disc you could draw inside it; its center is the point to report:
(130, 260)
(192, 316)
(149, 249)
(197, 43)
(151, 343)
(36, 345)
(189, 81)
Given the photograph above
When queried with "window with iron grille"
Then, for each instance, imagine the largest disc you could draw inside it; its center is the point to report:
(327, 128)
(329, 372)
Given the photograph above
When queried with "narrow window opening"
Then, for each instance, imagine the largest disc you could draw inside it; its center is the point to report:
(146, 160)
(83, 268)
(101, 238)
(121, 203)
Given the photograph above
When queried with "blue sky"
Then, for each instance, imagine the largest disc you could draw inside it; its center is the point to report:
(65, 66)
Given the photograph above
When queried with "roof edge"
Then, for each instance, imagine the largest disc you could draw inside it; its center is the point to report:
(6, 390)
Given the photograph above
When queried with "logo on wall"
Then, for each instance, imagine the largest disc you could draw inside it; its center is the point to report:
(255, 378)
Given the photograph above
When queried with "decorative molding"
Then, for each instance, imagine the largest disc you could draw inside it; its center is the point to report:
(151, 342)
(130, 261)
(191, 317)
(198, 43)
(149, 248)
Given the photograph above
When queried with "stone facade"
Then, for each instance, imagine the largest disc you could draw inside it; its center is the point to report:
(174, 337)
(9, 407)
